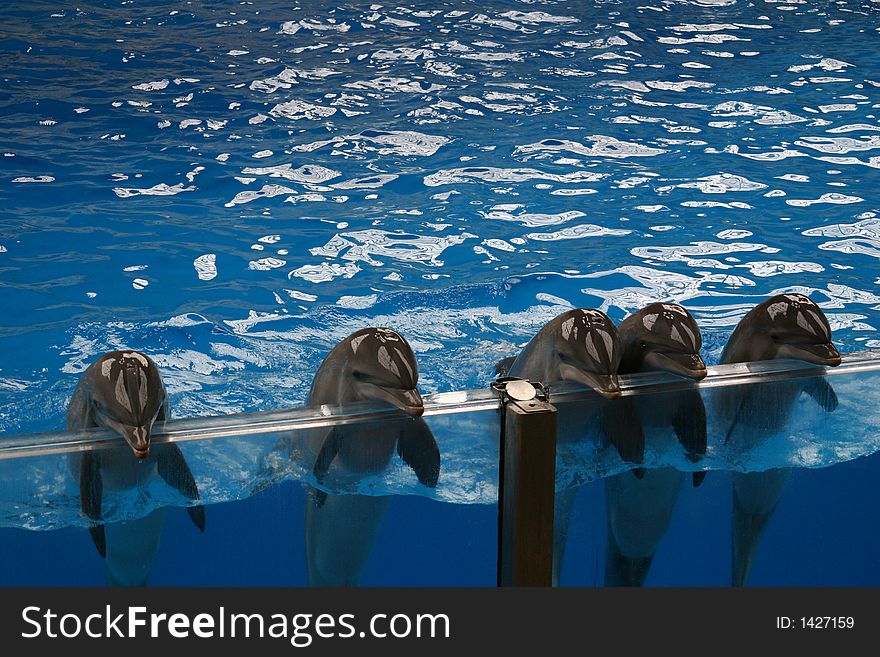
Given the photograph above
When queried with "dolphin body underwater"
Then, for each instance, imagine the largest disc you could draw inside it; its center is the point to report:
(582, 346)
(659, 337)
(123, 391)
(784, 326)
(374, 364)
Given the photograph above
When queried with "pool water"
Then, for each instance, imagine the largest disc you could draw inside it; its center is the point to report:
(259, 542)
(235, 188)
(824, 533)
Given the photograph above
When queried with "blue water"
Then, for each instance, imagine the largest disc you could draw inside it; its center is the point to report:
(824, 533)
(235, 188)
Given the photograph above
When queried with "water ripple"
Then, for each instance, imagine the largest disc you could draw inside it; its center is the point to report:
(496, 175)
(602, 146)
(300, 172)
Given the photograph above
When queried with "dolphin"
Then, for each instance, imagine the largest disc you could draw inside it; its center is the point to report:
(784, 326)
(378, 365)
(123, 391)
(659, 337)
(579, 345)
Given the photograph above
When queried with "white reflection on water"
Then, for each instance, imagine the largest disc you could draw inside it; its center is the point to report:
(420, 148)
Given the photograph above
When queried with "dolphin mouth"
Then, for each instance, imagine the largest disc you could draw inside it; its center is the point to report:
(690, 366)
(606, 385)
(408, 401)
(138, 438)
(818, 354)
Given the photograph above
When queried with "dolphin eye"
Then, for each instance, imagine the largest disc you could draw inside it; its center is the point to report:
(644, 346)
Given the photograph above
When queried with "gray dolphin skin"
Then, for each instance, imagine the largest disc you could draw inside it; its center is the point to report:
(580, 345)
(784, 326)
(123, 391)
(659, 337)
(664, 337)
(372, 364)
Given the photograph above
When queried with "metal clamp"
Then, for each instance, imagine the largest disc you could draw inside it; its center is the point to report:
(513, 388)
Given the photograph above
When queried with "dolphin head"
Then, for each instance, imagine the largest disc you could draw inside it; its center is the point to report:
(784, 326)
(586, 349)
(663, 336)
(383, 367)
(126, 395)
(798, 329)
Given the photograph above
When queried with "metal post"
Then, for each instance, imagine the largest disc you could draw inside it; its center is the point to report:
(527, 482)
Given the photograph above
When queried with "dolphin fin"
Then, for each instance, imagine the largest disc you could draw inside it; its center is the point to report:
(320, 497)
(90, 493)
(502, 367)
(329, 450)
(621, 425)
(99, 539)
(197, 515)
(689, 424)
(621, 570)
(822, 393)
(737, 406)
(698, 478)
(176, 473)
(418, 449)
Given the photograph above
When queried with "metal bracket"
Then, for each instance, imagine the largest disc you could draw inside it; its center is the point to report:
(510, 388)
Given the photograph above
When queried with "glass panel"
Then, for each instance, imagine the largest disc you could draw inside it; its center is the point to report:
(365, 517)
(790, 454)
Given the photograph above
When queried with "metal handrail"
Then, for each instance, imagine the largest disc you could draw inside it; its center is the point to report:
(444, 403)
